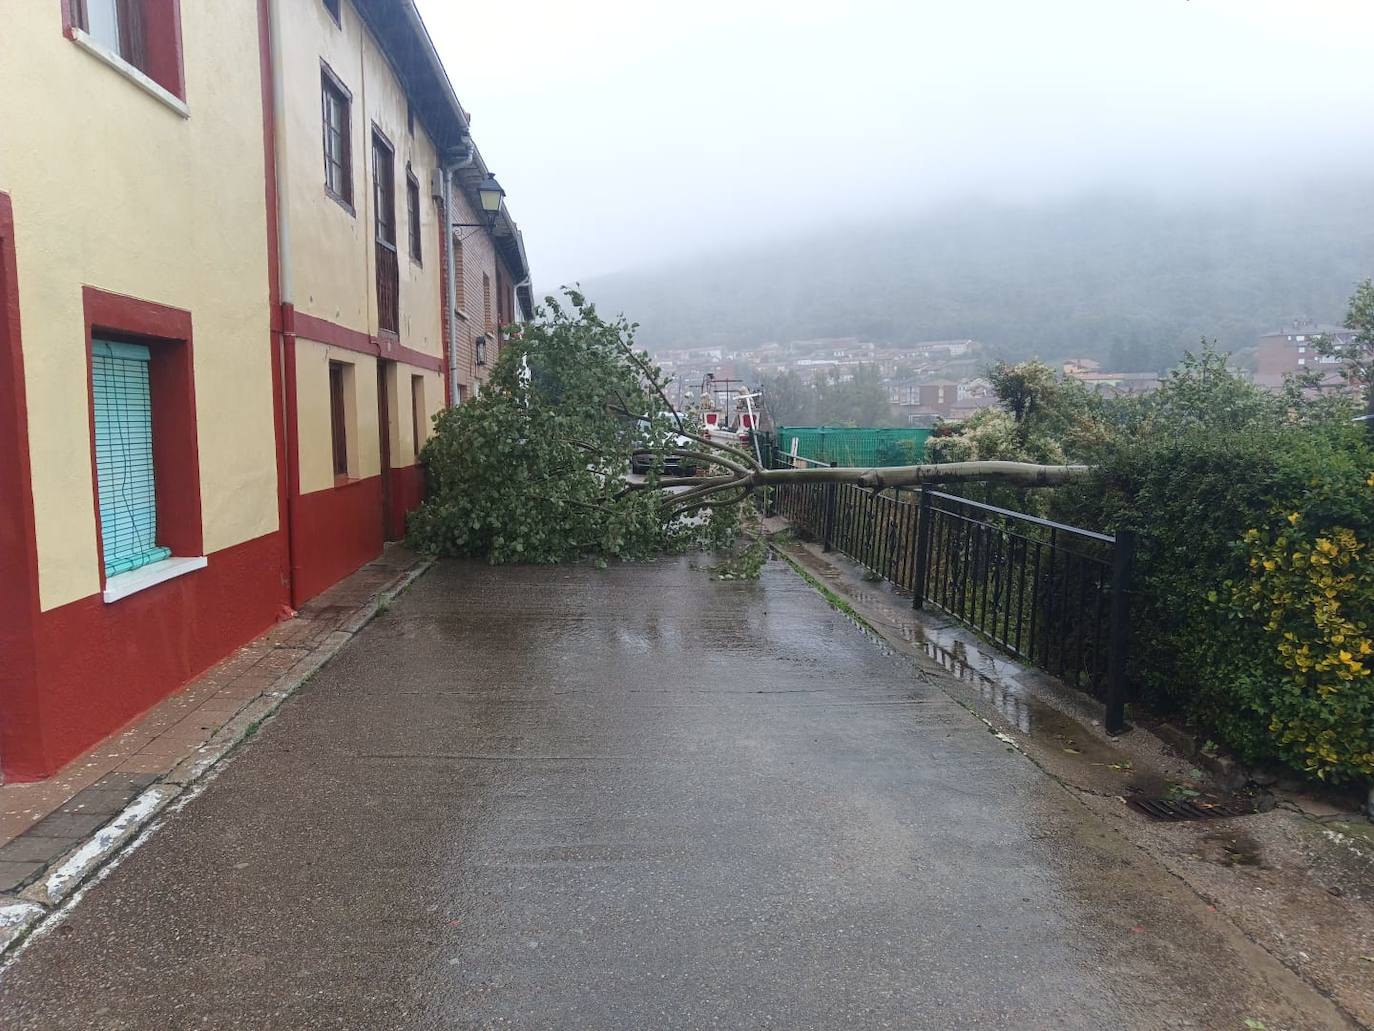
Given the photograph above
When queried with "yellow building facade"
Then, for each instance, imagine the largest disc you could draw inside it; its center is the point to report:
(374, 164)
(228, 317)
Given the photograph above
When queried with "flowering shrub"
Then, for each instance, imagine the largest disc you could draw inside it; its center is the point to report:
(1312, 596)
(1252, 604)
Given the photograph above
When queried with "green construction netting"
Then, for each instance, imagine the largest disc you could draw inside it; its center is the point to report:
(845, 446)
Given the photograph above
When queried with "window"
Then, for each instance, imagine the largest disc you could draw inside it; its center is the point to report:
(145, 34)
(332, 6)
(384, 206)
(107, 22)
(486, 301)
(338, 416)
(145, 466)
(384, 188)
(460, 291)
(336, 103)
(418, 412)
(123, 404)
(413, 212)
(1302, 361)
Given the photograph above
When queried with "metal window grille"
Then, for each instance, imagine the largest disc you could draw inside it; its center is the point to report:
(124, 456)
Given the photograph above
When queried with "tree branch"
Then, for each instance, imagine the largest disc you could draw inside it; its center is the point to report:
(648, 375)
(743, 456)
(718, 503)
(689, 496)
(712, 459)
(1022, 474)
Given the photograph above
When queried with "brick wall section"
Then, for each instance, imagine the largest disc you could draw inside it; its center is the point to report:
(479, 255)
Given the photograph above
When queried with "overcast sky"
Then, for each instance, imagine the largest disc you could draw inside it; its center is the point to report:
(627, 132)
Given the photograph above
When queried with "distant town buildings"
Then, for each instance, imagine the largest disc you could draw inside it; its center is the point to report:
(1293, 349)
(931, 381)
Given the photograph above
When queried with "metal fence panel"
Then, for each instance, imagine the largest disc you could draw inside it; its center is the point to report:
(1053, 595)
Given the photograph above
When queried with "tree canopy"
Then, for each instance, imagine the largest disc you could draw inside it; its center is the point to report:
(533, 468)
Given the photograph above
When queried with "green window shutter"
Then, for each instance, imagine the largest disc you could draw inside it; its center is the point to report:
(124, 456)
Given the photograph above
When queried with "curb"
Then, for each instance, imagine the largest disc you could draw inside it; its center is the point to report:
(22, 914)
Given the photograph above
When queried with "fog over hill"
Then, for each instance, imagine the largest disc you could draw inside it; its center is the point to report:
(1130, 278)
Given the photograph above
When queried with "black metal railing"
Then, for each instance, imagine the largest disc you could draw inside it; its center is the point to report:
(1051, 594)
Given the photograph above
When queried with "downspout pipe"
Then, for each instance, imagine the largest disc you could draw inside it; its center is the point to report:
(286, 299)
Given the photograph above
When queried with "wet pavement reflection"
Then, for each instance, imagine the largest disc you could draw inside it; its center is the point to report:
(637, 798)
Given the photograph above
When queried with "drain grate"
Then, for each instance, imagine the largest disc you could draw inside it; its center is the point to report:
(1187, 809)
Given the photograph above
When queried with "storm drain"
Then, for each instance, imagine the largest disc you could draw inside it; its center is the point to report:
(1187, 809)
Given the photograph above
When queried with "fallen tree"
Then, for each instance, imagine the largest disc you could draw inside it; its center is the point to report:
(741, 478)
(534, 469)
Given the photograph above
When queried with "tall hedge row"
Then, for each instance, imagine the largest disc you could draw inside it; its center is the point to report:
(1254, 607)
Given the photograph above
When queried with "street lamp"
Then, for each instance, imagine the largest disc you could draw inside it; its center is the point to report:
(489, 195)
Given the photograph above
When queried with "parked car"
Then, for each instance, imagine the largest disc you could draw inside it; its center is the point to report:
(673, 465)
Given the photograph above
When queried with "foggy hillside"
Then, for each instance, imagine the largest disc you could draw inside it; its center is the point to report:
(1127, 278)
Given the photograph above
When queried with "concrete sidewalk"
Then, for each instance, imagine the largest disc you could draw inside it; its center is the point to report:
(45, 824)
(564, 797)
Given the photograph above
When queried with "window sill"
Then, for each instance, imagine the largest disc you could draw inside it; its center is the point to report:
(125, 584)
(341, 201)
(124, 68)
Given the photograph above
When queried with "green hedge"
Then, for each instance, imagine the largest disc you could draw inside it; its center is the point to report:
(1214, 496)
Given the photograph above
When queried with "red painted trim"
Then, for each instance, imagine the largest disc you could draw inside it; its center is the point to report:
(325, 332)
(334, 335)
(98, 666)
(407, 492)
(176, 449)
(166, 62)
(340, 530)
(162, 44)
(132, 315)
(416, 358)
(18, 541)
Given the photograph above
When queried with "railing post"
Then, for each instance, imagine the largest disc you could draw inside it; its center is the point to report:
(831, 492)
(771, 462)
(923, 519)
(1123, 560)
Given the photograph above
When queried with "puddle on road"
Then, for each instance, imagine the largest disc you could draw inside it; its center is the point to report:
(1005, 694)
(997, 690)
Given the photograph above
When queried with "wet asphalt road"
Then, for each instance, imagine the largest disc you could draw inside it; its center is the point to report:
(634, 798)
